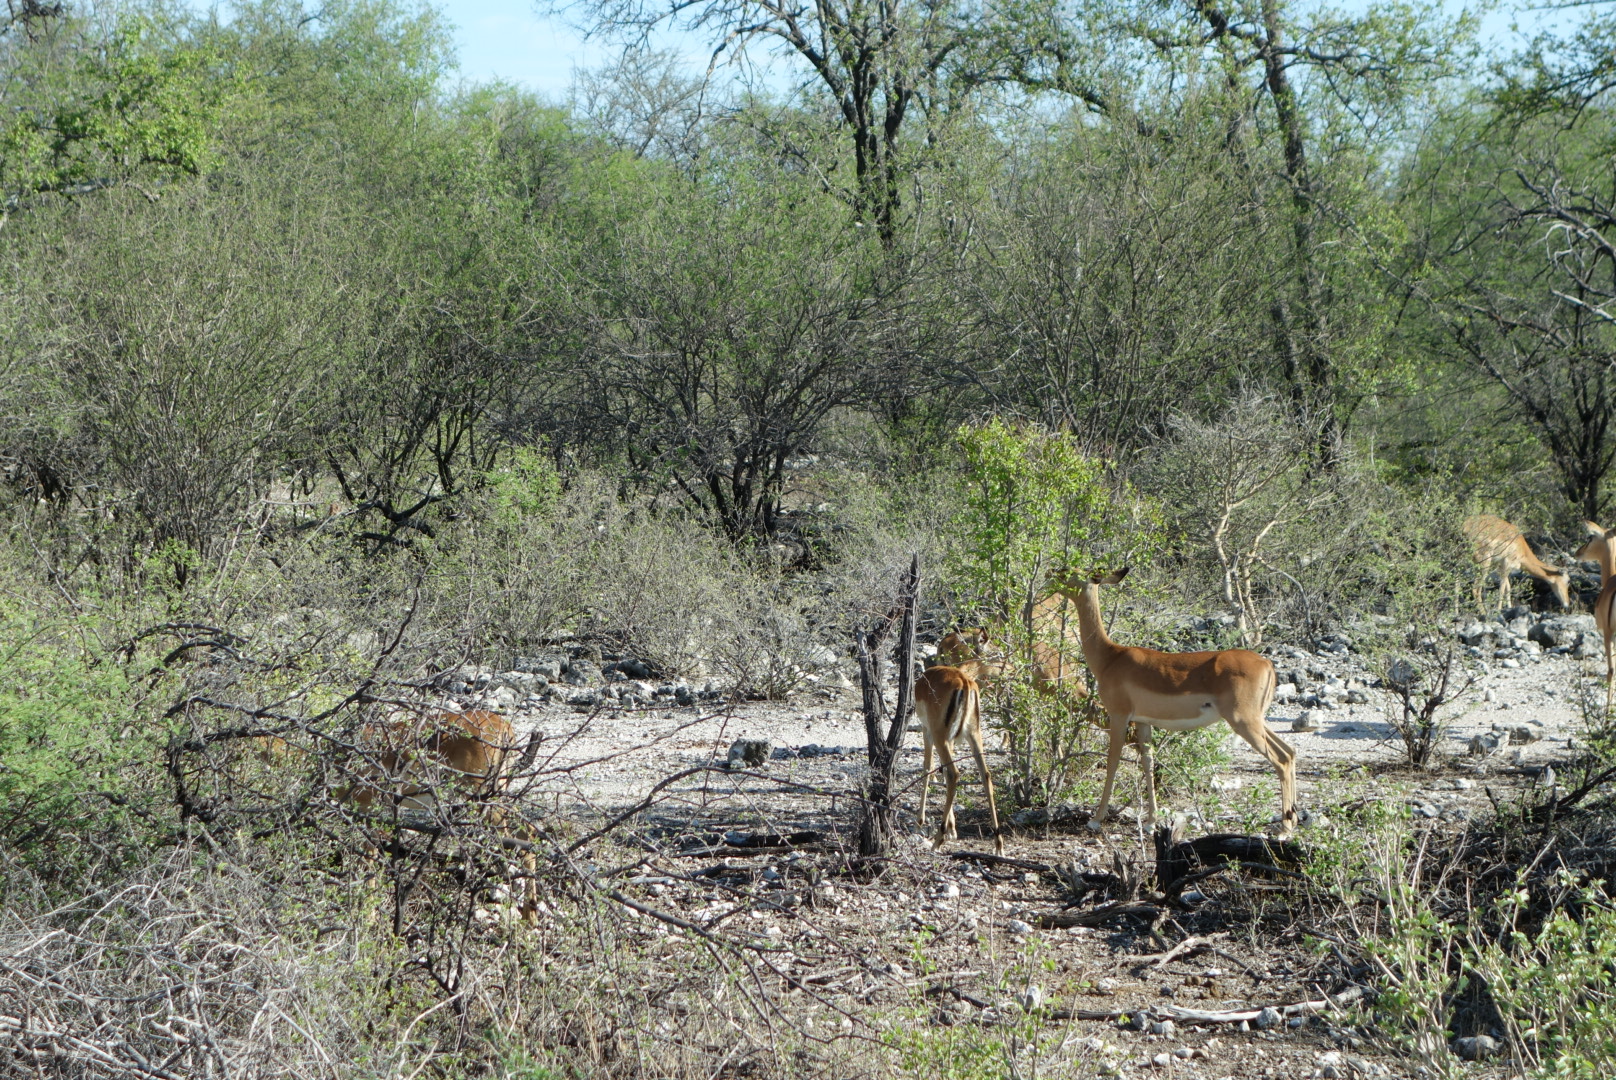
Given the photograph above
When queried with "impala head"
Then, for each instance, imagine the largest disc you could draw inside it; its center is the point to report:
(1560, 583)
(1071, 582)
(966, 643)
(1598, 541)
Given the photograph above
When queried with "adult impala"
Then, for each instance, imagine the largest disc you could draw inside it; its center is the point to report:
(1497, 543)
(1598, 549)
(948, 704)
(1175, 692)
(406, 763)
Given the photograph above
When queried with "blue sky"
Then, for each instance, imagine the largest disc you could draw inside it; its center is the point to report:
(507, 39)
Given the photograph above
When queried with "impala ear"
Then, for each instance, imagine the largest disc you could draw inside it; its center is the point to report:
(1109, 579)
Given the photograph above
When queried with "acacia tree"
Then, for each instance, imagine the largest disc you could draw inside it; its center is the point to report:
(1515, 258)
(724, 319)
(881, 66)
(1325, 90)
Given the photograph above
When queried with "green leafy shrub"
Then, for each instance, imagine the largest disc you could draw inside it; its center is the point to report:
(69, 740)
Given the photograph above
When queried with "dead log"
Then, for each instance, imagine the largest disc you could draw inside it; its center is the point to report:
(1179, 862)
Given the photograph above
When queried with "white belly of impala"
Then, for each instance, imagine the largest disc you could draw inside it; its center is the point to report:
(1184, 716)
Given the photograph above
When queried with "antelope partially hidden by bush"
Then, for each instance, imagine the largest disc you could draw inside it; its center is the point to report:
(405, 763)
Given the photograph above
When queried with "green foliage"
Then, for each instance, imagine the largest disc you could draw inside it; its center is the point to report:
(1034, 500)
(68, 737)
(1555, 984)
(526, 486)
(135, 104)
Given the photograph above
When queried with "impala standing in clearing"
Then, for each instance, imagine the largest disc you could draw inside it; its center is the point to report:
(1598, 550)
(1175, 692)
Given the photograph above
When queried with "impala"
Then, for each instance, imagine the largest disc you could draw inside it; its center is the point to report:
(1598, 550)
(404, 762)
(1175, 692)
(949, 705)
(1055, 673)
(1497, 543)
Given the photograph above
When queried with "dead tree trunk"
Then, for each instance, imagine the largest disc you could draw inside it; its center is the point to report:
(875, 829)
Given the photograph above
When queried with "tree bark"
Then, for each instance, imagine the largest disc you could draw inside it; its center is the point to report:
(876, 827)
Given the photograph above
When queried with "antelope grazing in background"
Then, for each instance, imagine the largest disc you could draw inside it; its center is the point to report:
(1175, 692)
(1497, 543)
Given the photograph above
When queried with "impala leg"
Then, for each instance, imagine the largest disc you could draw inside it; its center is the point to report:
(1118, 734)
(1143, 738)
(973, 733)
(951, 774)
(1503, 588)
(1610, 674)
(925, 776)
(1282, 758)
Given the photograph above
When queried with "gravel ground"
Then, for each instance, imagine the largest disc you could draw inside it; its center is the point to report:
(970, 916)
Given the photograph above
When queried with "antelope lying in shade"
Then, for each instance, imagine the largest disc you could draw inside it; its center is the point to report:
(405, 762)
(948, 704)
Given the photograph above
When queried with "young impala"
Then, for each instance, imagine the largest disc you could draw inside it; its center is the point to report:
(1497, 543)
(1175, 692)
(948, 704)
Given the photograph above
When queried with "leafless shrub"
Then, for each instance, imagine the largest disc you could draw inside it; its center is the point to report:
(1418, 690)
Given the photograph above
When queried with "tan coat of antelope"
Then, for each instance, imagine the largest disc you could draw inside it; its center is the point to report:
(948, 703)
(405, 762)
(1495, 543)
(1598, 549)
(1056, 669)
(1175, 692)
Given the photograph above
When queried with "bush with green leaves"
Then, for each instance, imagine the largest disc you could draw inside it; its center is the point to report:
(1034, 501)
(71, 738)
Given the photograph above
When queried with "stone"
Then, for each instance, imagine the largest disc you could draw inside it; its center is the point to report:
(1402, 672)
(1162, 1060)
(683, 695)
(1475, 1047)
(631, 668)
(1308, 721)
(581, 673)
(748, 753)
(1269, 1018)
(1357, 697)
(1032, 999)
(948, 890)
(1285, 691)
(1475, 633)
(1163, 1027)
(1520, 735)
(1562, 630)
(1016, 926)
